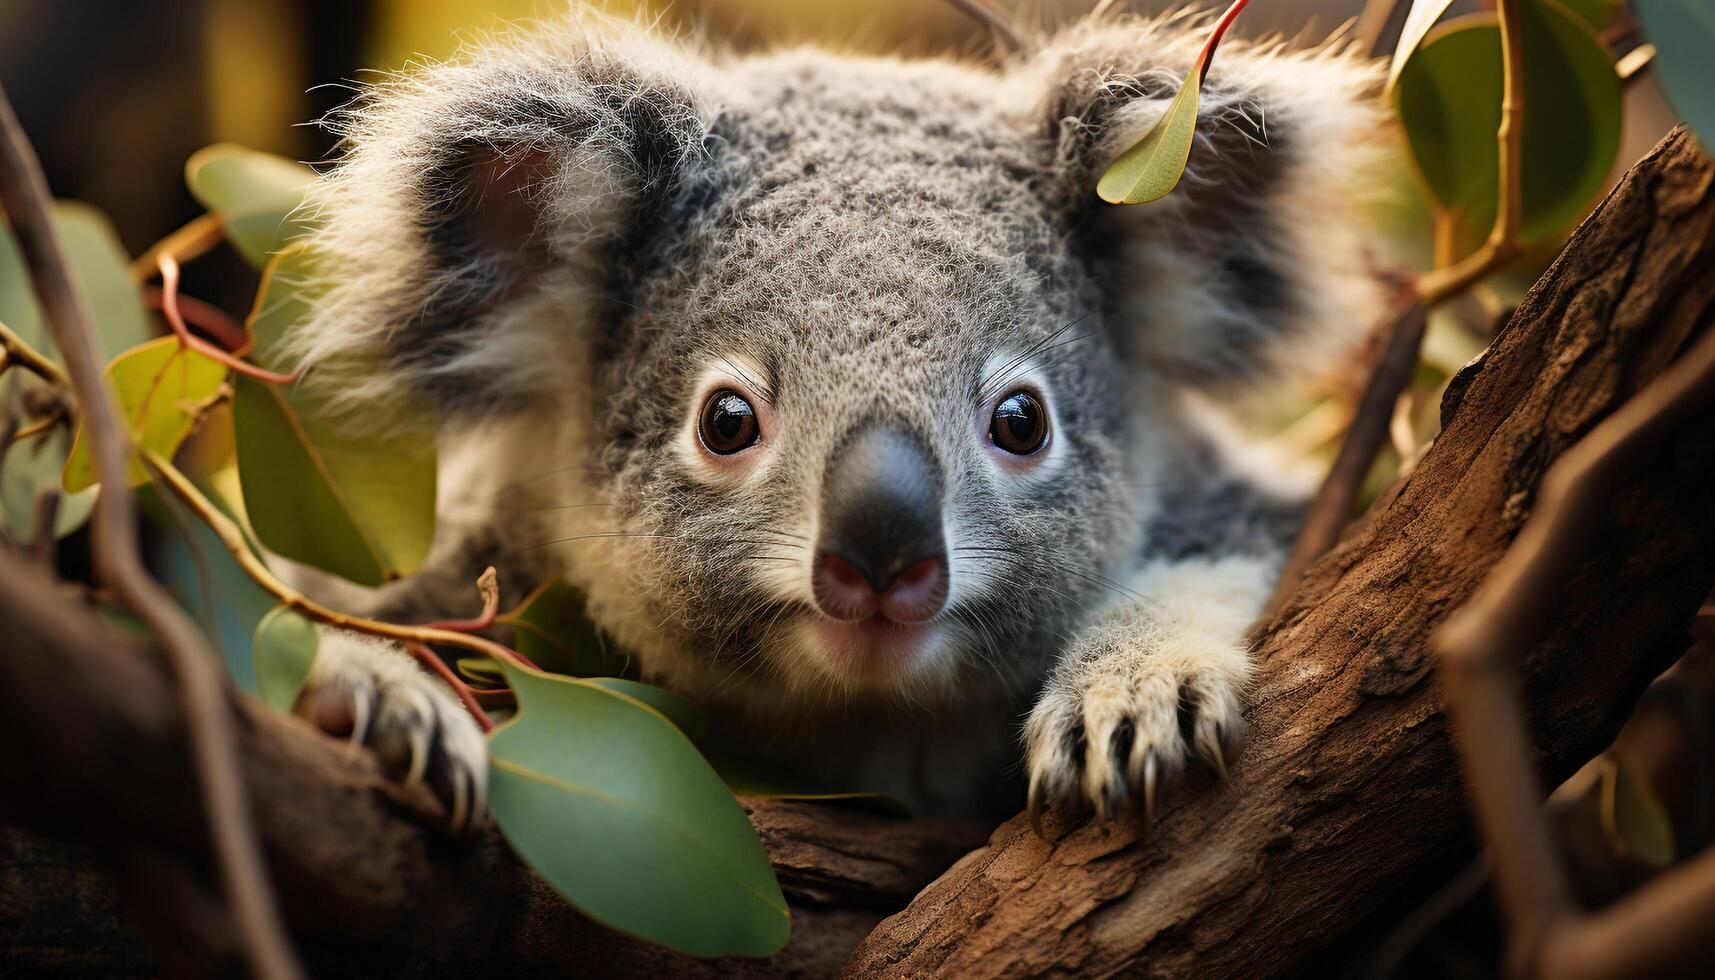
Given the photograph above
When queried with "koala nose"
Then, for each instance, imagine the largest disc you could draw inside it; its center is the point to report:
(882, 550)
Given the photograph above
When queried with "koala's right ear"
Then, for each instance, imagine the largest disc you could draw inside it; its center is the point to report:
(463, 235)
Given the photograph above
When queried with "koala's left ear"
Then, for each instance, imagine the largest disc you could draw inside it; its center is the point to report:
(466, 234)
(1256, 262)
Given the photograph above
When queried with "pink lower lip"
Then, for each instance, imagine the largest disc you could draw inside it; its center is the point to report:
(875, 647)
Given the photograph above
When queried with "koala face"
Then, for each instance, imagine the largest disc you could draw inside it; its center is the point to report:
(863, 389)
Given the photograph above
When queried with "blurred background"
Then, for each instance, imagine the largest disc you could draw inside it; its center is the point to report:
(117, 93)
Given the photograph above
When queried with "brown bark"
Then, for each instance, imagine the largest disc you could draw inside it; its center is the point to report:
(1349, 784)
(96, 753)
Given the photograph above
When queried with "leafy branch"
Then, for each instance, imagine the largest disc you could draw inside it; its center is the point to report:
(24, 192)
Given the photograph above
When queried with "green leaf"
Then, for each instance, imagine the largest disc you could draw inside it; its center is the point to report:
(556, 634)
(1597, 13)
(480, 669)
(690, 719)
(1683, 32)
(284, 651)
(1423, 15)
(257, 196)
(164, 388)
(99, 266)
(191, 561)
(614, 806)
(1153, 166)
(1449, 98)
(318, 490)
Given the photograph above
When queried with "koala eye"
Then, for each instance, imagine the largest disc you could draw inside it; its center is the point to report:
(1020, 424)
(728, 423)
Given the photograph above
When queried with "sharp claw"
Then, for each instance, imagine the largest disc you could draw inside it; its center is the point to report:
(1151, 770)
(1034, 809)
(461, 800)
(359, 721)
(1219, 757)
(419, 755)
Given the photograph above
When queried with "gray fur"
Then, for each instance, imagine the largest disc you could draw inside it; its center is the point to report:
(855, 240)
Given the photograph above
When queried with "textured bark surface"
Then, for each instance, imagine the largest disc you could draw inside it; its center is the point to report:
(95, 754)
(1349, 784)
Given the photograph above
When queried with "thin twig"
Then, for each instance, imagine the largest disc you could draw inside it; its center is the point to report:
(1480, 644)
(427, 658)
(170, 307)
(1329, 512)
(1333, 505)
(24, 192)
(488, 586)
(233, 540)
(997, 22)
(202, 234)
(207, 317)
(1372, 20)
(37, 427)
(13, 350)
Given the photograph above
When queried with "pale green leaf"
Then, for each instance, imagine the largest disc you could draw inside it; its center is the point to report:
(284, 651)
(1449, 98)
(163, 389)
(1153, 166)
(1423, 15)
(324, 491)
(614, 807)
(257, 195)
(692, 720)
(1683, 32)
(99, 266)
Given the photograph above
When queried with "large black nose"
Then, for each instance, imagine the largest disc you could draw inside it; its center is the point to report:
(882, 549)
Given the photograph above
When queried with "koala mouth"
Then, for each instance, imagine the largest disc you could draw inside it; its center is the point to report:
(875, 649)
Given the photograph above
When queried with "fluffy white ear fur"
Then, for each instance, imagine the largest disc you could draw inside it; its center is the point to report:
(458, 179)
(1258, 263)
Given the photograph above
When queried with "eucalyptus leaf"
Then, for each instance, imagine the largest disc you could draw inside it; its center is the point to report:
(1423, 15)
(357, 502)
(194, 565)
(1153, 165)
(1449, 98)
(163, 388)
(1683, 32)
(284, 651)
(257, 195)
(99, 266)
(615, 808)
(692, 720)
(553, 630)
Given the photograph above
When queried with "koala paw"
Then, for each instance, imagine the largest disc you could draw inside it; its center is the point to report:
(1128, 706)
(375, 695)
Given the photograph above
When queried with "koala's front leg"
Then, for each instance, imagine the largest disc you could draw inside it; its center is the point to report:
(374, 694)
(1154, 681)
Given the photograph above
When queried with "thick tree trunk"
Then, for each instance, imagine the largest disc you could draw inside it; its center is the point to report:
(1349, 784)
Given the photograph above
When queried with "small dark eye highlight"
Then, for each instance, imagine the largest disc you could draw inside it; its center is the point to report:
(727, 423)
(1019, 424)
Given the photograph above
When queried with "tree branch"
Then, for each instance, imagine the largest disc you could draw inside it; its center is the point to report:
(1349, 788)
(368, 882)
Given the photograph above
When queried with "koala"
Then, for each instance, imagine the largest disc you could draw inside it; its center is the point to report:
(852, 411)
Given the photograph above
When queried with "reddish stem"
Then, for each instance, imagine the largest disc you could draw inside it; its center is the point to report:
(427, 658)
(208, 318)
(490, 590)
(1207, 55)
(170, 306)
